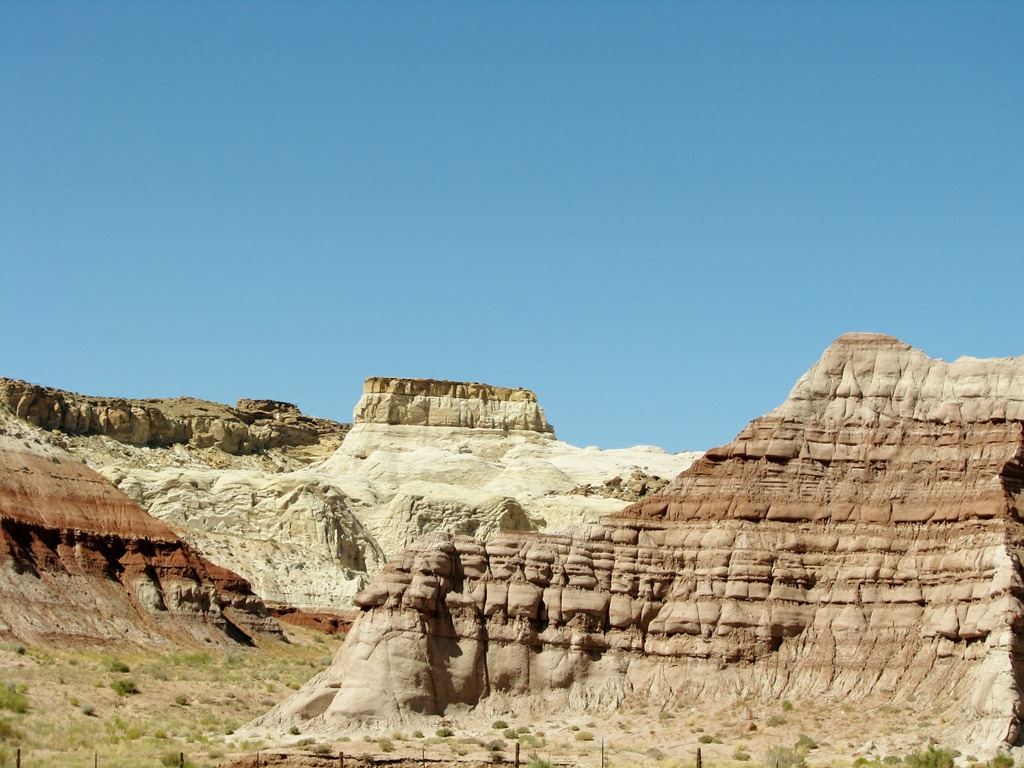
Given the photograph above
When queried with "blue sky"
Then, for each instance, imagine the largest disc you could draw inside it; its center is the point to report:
(656, 215)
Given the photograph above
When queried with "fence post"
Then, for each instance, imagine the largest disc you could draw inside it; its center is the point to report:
(602, 753)
(699, 763)
(341, 760)
(181, 760)
(517, 754)
(19, 757)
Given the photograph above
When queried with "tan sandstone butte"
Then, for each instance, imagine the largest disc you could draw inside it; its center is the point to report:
(862, 539)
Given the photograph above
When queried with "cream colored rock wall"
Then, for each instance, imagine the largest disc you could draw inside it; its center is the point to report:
(293, 535)
(432, 403)
(615, 613)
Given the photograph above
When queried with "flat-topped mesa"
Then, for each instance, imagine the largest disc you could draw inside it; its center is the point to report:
(434, 403)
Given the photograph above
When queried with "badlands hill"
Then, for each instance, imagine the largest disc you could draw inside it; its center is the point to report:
(308, 509)
(81, 562)
(862, 540)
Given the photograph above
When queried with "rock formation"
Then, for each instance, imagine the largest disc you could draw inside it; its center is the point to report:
(80, 561)
(306, 509)
(254, 426)
(862, 539)
(432, 403)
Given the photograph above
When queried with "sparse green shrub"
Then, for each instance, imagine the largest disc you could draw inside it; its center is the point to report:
(8, 732)
(88, 710)
(1001, 761)
(522, 729)
(740, 756)
(706, 739)
(509, 733)
(775, 720)
(782, 757)
(174, 759)
(13, 699)
(787, 705)
(444, 733)
(933, 757)
(385, 744)
(125, 687)
(805, 744)
(665, 715)
(655, 754)
(417, 734)
(536, 762)
(584, 736)
(181, 700)
(499, 725)
(116, 665)
(294, 730)
(495, 745)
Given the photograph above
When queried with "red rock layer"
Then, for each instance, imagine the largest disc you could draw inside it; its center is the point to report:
(875, 432)
(81, 561)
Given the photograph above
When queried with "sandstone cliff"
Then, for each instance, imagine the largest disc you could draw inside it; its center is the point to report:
(306, 509)
(863, 539)
(81, 562)
(254, 426)
(432, 403)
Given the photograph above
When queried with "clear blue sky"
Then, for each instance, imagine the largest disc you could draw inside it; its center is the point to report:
(654, 214)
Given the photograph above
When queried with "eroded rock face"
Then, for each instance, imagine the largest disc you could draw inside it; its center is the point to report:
(432, 403)
(254, 426)
(863, 539)
(79, 561)
(307, 522)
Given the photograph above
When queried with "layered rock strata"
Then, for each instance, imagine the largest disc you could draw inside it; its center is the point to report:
(254, 426)
(305, 515)
(863, 539)
(433, 403)
(80, 561)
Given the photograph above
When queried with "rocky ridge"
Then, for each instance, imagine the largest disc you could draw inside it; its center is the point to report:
(308, 522)
(82, 562)
(255, 426)
(862, 540)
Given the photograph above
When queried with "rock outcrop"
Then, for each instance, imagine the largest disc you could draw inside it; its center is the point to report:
(864, 539)
(432, 403)
(80, 561)
(305, 515)
(254, 426)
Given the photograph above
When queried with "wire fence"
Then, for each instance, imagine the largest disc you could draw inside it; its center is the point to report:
(269, 759)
